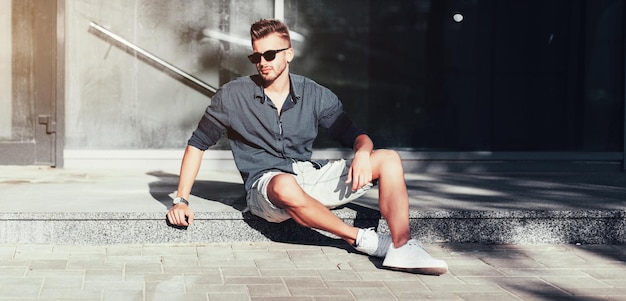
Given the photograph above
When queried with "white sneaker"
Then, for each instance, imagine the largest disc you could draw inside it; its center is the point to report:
(413, 258)
(372, 243)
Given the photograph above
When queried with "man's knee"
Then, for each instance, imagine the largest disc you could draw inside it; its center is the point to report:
(283, 191)
(388, 154)
(385, 161)
(387, 157)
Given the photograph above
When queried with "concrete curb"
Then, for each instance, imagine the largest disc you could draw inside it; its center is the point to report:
(501, 227)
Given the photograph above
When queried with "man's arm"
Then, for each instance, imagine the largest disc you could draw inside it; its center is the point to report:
(360, 173)
(181, 214)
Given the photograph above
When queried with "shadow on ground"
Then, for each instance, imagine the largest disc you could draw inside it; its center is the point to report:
(518, 191)
(527, 271)
(233, 195)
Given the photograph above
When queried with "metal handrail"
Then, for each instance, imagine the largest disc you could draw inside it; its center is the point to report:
(153, 57)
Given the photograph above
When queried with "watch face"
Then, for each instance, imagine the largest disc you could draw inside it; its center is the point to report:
(179, 200)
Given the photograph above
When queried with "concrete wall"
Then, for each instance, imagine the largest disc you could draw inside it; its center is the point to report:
(493, 82)
(5, 70)
(114, 100)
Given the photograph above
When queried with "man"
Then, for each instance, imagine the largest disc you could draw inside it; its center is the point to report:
(271, 120)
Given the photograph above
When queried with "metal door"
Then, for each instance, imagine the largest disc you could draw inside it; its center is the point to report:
(31, 82)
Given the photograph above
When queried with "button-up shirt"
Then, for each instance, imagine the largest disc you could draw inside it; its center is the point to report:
(263, 140)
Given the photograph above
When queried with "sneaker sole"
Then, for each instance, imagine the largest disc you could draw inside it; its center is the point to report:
(435, 271)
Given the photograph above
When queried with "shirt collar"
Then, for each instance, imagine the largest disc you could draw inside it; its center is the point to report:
(296, 84)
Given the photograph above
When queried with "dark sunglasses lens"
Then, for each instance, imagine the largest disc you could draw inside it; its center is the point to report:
(269, 55)
(255, 58)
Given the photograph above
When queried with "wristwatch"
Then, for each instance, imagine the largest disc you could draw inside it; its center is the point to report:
(179, 200)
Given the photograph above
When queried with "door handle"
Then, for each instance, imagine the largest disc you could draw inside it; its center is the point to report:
(49, 122)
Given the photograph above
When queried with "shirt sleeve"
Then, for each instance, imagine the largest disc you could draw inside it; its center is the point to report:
(344, 130)
(212, 126)
(340, 127)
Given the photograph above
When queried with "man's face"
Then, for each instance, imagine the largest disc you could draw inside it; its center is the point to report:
(271, 70)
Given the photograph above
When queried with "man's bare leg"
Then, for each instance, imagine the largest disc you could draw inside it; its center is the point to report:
(284, 192)
(393, 197)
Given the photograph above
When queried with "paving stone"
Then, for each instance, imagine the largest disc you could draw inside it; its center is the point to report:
(283, 298)
(319, 292)
(356, 283)
(104, 275)
(405, 286)
(75, 250)
(12, 271)
(338, 275)
(443, 296)
(182, 261)
(262, 254)
(6, 252)
(92, 263)
(74, 274)
(271, 264)
(387, 275)
(216, 262)
(504, 296)
(63, 283)
(133, 259)
(20, 287)
(143, 268)
(169, 251)
(201, 282)
(253, 280)
(124, 250)
(541, 291)
(48, 264)
(171, 269)
(334, 298)
(60, 294)
(274, 290)
(293, 282)
(174, 285)
(371, 293)
(575, 282)
(123, 295)
(240, 271)
(228, 297)
(160, 296)
(289, 272)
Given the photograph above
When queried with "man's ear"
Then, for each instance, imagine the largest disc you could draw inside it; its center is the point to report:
(290, 54)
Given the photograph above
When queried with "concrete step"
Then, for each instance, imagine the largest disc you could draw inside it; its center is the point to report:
(502, 227)
(128, 206)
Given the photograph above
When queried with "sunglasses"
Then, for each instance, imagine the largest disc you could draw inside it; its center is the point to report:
(269, 55)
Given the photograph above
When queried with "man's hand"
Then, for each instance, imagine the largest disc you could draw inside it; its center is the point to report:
(180, 215)
(360, 173)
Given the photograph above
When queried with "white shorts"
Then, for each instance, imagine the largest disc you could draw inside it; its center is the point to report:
(326, 184)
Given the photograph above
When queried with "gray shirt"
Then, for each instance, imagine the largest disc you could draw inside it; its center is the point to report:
(262, 140)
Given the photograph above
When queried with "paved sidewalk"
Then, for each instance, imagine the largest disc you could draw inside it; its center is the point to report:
(277, 271)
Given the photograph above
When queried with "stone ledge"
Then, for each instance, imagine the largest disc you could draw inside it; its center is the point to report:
(344, 213)
(499, 227)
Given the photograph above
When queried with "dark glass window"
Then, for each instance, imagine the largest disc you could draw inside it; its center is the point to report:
(494, 75)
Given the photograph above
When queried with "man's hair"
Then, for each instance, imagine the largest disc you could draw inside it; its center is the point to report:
(265, 27)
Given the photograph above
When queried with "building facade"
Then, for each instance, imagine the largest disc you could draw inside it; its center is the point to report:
(445, 80)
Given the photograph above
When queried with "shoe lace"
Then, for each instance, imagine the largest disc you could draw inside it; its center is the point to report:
(417, 243)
